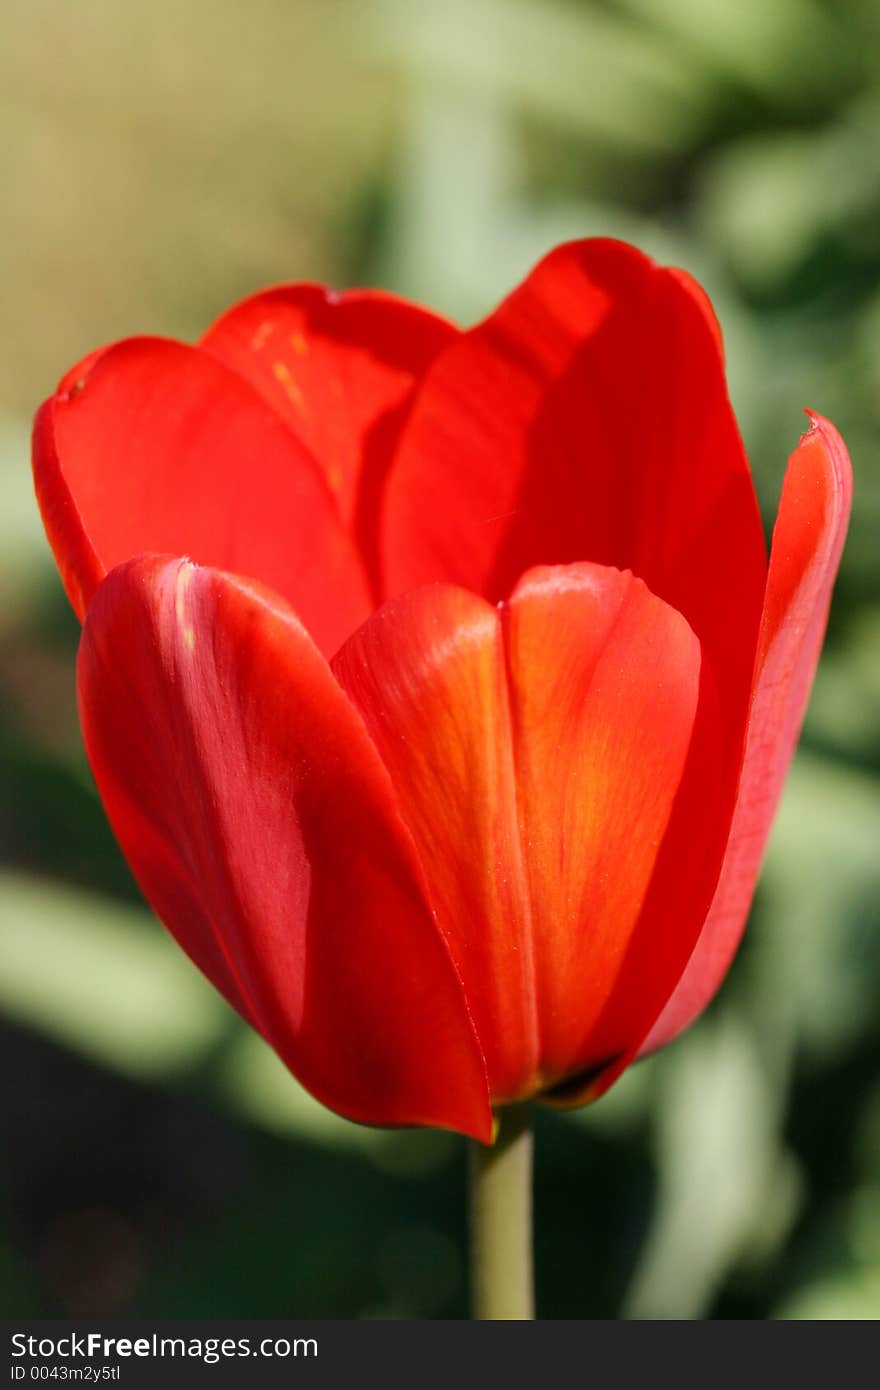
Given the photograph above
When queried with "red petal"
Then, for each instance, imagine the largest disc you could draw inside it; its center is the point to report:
(588, 419)
(807, 543)
(674, 909)
(154, 446)
(428, 674)
(262, 826)
(605, 681)
(338, 368)
(537, 775)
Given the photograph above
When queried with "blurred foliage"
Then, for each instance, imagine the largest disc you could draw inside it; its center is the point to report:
(161, 161)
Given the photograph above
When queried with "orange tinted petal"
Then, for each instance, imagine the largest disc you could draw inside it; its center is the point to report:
(536, 755)
(604, 682)
(428, 674)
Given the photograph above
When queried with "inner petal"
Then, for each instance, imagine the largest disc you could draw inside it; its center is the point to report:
(587, 418)
(153, 446)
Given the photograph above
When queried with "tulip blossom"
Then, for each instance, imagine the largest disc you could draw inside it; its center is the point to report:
(436, 683)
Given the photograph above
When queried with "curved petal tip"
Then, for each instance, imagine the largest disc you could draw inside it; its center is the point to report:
(805, 555)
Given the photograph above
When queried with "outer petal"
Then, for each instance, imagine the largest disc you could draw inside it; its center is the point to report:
(807, 543)
(537, 759)
(262, 826)
(151, 445)
(428, 674)
(605, 683)
(588, 419)
(339, 369)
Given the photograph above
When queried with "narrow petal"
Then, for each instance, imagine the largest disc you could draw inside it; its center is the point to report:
(339, 369)
(151, 445)
(605, 683)
(807, 543)
(427, 673)
(587, 419)
(262, 826)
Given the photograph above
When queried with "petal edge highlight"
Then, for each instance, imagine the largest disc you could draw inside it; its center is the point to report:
(211, 718)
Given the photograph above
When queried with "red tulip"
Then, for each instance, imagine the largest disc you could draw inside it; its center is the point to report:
(450, 754)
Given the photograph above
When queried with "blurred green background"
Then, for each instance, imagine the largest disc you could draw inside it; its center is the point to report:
(159, 161)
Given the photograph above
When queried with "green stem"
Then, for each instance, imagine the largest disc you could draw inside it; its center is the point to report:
(502, 1282)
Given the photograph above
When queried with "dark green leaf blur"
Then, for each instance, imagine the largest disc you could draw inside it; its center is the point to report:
(158, 162)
